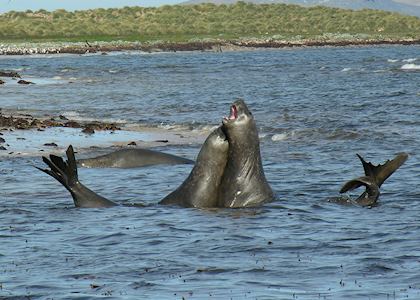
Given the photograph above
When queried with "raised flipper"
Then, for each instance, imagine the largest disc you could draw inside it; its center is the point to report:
(381, 172)
(65, 172)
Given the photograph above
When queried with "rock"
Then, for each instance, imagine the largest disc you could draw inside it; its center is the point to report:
(72, 124)
(9, 74)
(2, 140)
(51, 144)
(2, 82)
(132, 144)
(25, 82)
(2, 148)
(88, 130)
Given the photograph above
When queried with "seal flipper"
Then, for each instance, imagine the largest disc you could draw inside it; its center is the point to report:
(368, 197)
(66, 174)
(381, 172)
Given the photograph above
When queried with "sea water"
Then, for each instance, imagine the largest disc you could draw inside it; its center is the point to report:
(315, 109)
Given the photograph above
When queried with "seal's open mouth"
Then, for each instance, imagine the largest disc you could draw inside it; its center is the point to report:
(233, 113)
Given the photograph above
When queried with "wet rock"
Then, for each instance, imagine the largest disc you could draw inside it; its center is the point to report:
(88, 130)
(22, 124)
(9, 74)
(2, 140)
(62, 117)
(132, 144)
(51, 145)
(72, 124)
(25, 82)
(161, 141)
(102, 126)
(2, 82)
(2, 148)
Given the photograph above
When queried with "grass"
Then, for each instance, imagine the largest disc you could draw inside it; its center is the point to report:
(183, 23)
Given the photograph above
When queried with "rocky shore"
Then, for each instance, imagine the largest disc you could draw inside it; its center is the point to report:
(24, 122)
(204, 45)
(27, 121)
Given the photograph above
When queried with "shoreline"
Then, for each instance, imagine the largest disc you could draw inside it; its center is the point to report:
(25, 134)
(204, 45)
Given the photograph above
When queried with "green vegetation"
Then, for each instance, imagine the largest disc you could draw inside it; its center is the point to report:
(185, 22)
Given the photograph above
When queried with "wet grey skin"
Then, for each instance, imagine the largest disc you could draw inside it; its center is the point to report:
(66, 173)
(243, 182)
(132, 158)
(374, 177)
(200, 189)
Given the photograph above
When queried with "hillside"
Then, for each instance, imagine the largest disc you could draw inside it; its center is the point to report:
(387, 5)
(184, 22)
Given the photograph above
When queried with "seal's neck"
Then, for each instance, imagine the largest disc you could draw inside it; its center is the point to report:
(244, 148)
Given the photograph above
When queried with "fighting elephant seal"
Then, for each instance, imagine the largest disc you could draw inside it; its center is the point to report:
(132, 158)
(200, 189)
(243, 182)
(374, 177)
(66, 173)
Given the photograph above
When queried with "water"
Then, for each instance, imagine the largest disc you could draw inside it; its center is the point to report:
(315, 109)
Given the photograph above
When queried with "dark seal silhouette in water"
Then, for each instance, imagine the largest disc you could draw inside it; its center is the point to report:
(374, 177)
(243, 183)
(200, 189)
(66, 173)
(132, 158)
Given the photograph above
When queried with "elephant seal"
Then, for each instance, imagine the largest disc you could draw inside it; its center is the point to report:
(132, 158)
(66, 173)
(200, 189)
(374, 177)
(243, 182)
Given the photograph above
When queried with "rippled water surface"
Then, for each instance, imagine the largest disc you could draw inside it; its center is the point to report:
(315, 109)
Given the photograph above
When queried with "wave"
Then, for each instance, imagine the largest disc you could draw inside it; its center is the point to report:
(410, 67)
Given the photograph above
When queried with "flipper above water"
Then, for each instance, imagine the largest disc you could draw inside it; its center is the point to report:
(374, 177)
(65, 172)
(381, 172)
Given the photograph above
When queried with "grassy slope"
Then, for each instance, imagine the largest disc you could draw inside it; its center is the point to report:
(186, 22)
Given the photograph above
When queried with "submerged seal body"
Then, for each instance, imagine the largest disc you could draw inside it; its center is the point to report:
(243, 182)
(200, 189)
(132, 158)
(374, 177)
(66, 173)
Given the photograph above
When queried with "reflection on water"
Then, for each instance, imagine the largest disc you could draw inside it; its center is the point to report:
(313, 118)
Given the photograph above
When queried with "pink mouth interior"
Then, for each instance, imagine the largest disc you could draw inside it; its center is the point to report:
(233, 113)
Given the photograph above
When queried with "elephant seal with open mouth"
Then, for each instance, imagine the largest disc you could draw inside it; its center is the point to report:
(243, 183)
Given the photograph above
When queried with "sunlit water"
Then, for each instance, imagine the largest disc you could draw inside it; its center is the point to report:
(315, 109)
